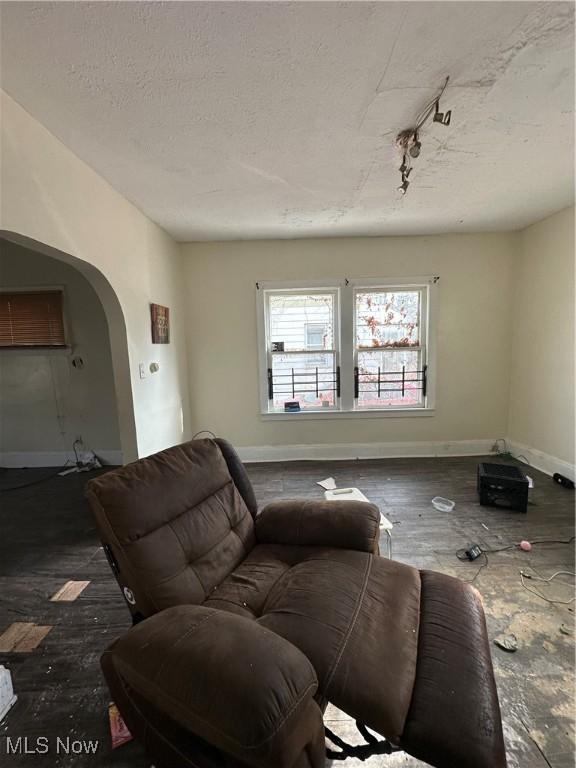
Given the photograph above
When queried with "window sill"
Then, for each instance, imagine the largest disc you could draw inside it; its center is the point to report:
(29, 349)
(373, 413)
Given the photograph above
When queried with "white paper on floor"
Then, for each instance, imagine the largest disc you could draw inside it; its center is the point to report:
(7, 696)
(329, 484)
(345, 494)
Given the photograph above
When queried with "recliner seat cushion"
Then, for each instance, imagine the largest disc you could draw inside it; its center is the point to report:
(246, 589)
(390, 645)
(349, 612)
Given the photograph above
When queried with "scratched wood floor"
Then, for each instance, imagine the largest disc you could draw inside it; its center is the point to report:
(47, 538)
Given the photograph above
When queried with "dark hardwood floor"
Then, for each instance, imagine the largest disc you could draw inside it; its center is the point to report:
(47, 537)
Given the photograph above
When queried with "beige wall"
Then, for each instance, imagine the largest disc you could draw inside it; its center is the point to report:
(54, 202)
(473, 341)
(542, 371)
(45, 402)
(51, 197)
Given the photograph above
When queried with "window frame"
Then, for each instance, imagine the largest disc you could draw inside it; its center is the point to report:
(345, 343)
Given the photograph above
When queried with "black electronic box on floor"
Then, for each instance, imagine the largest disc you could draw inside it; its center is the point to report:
(502, 485)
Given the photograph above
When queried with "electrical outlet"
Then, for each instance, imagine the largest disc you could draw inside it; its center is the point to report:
(142, 369)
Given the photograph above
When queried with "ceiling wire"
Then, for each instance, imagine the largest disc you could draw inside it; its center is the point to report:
(427, 111)
(408, 141)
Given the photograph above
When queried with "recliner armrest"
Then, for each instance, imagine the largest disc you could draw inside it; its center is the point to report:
(343, 524)
(224, 678)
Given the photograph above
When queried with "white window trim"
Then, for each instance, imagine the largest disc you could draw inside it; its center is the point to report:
(345, 345)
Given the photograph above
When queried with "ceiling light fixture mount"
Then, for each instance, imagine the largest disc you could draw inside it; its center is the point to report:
(408, 141)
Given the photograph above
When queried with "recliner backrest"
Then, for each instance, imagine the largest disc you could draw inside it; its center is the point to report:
(174, 525)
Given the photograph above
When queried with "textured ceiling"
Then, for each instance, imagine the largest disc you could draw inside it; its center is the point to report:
(226, 120)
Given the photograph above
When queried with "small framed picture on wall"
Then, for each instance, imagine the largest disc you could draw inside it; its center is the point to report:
(160, 317)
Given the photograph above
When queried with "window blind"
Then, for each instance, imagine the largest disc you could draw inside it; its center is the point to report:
(32, 319)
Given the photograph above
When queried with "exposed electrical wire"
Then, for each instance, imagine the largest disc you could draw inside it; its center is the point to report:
(74, 444)
(203, 432)
(59, 398)
(39, 480)
(408, 141)
(506, 453)
(434, 105)
(461, 555)
(482, 566)
(532, 577)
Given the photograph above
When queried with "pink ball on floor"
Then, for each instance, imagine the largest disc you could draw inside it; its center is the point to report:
(526, 546)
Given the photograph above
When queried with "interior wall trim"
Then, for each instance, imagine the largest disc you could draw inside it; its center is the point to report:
(335, 451)
(20, 459)
(326, 452)
(545, 462)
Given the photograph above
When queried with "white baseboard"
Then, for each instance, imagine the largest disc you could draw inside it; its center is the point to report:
(542, 461)
(335, 451)
(18, 459)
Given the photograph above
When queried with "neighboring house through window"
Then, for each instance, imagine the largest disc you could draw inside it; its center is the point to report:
(315, 333)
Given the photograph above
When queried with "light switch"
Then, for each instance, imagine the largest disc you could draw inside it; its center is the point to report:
(142, 368)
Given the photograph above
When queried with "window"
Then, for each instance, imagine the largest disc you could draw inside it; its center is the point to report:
(389, 365)
(302, 348)
(31, 319)
(352, 347)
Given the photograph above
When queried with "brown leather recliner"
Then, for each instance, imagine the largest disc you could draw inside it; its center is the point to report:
(248, 625)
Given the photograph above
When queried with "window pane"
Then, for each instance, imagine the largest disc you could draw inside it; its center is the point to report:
(300, 321)
(390, 363)
(388, 318)
(302, 385)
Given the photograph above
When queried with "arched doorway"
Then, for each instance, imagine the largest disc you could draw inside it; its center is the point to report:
(105, 414)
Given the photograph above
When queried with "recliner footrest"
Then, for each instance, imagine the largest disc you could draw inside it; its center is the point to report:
(222, 678)
(454, 717)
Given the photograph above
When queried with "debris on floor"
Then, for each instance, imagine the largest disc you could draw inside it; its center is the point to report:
(507, 643)
(69, 592)
(118, 729)
(7, 695)
(329, 484)
(345, 494)
(442, 504)
(565, 630)
(22, 637)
